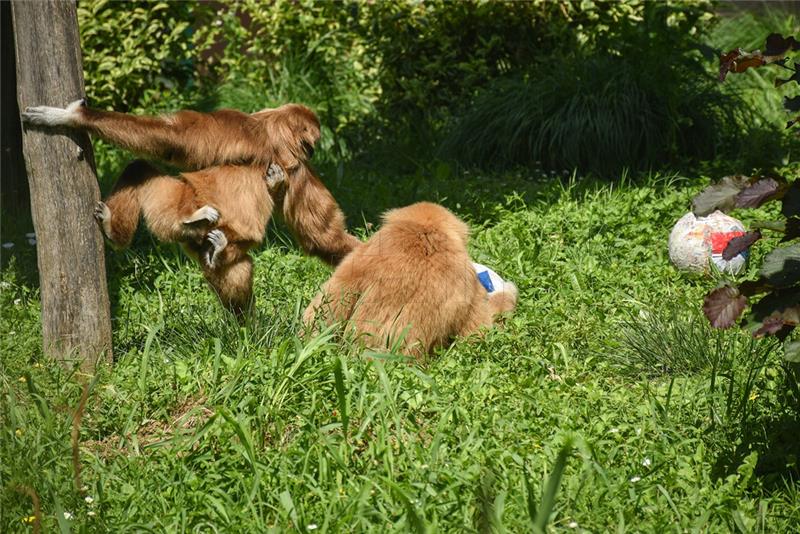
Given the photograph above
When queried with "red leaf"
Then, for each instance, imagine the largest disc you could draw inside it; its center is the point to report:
(739, 61)
(723, 306)
(738, 244)
(770, 325)
(758, 193)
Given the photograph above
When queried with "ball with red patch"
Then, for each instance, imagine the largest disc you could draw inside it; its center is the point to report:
(696, 243)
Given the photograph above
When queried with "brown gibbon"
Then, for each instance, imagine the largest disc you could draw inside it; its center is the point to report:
(236, 168)
(412, 285)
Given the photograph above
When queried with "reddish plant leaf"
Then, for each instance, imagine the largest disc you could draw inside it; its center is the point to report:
(723, 306)
(739, 244)
(770, 326)
(719, 196)
(727, 62)
(757, 194)
(781, 302)
(781, 306)
(777, 45)
(739, 61)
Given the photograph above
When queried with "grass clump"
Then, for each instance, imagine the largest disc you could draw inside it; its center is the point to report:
(597, 114)
(677, 340)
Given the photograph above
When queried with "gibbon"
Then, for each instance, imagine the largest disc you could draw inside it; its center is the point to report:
(236, 168)
(412, 285)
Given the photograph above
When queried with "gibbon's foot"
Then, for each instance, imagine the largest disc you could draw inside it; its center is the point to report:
(205, 214)
(102, 214)
(53, 117)
(275, 175)
(217, 242)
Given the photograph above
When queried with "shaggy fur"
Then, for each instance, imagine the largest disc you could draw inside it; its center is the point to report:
(219, 207)
(411, 284)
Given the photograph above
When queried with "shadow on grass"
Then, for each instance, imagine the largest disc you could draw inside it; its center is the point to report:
(773, 436)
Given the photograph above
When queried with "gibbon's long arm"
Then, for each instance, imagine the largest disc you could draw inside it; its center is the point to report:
(315, 219)
(188, 140)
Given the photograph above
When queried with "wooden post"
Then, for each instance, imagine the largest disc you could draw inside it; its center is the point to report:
(76, 321)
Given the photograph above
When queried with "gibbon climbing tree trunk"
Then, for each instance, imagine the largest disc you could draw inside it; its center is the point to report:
(76, 322)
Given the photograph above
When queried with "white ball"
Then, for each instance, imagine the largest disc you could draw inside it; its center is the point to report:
(489, 279)
(696, 243)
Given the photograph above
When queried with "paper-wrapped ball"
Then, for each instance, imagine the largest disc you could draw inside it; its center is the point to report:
(696, 243)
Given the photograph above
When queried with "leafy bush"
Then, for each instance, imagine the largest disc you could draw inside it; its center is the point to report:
(596, 114)
(309, 52)
(613, 105)
(139, 54)
(434, 54)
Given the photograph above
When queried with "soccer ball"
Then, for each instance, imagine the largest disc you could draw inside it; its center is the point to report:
(696, 243)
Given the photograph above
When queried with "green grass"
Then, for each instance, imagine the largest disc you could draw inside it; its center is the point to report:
(205, 426)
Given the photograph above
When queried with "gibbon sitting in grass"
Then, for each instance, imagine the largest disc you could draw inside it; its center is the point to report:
(412, 285)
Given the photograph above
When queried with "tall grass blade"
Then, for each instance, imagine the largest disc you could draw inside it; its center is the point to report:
(145, 361)
(540, 515)
(341, 395)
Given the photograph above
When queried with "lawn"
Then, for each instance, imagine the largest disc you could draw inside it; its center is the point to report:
(607, 370)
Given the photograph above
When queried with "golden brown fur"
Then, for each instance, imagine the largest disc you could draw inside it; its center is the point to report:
(412, 283)
(225, 156)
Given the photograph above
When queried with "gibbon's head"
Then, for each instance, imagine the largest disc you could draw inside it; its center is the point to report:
(432, 216)
(292, 130)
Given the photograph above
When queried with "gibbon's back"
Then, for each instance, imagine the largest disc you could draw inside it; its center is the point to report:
(414, 277)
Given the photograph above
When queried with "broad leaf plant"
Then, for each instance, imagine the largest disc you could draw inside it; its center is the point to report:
(774, 297)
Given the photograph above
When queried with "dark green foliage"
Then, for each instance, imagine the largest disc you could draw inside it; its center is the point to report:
(434, 55)
(636, 95)
(597, 114)
(593, 85)
(140, 54)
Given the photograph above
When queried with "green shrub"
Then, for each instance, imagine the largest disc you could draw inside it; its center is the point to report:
(637, 95)
(597, 114)
(139, 54)
(308, 52)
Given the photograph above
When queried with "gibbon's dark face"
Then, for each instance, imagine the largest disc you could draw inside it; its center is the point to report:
(301, 122)
(308, 149)
(307, 129)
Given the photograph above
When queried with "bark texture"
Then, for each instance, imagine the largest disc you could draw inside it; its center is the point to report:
(76, 321)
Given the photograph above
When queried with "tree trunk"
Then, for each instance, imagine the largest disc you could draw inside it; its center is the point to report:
(76, 322)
